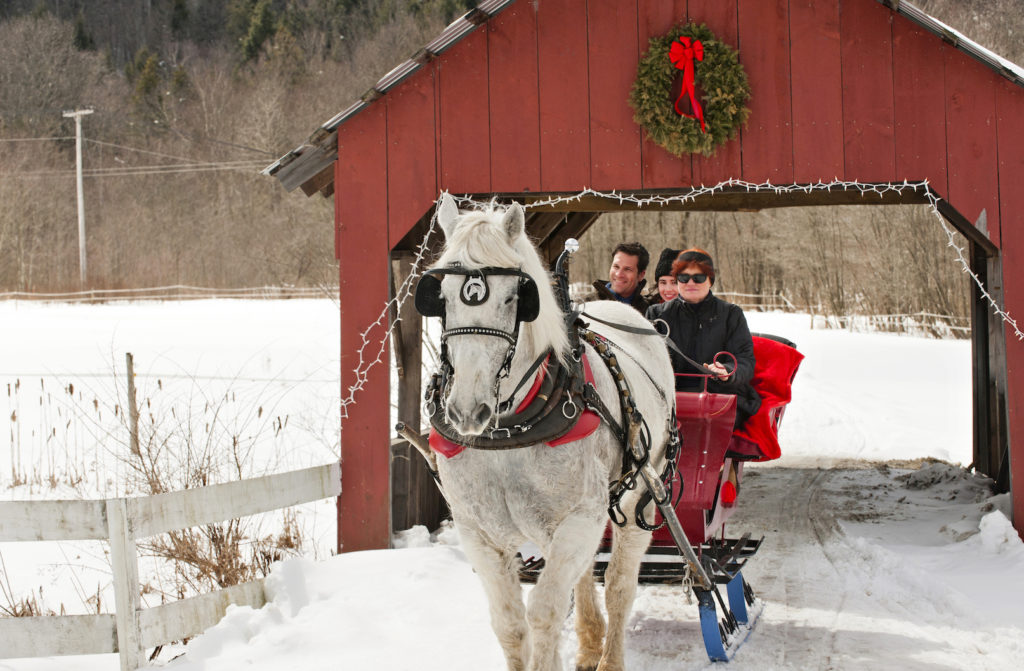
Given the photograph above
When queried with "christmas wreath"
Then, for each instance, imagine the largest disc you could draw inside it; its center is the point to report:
(713, 90)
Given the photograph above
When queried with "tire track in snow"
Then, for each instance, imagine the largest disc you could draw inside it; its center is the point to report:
(788, 573)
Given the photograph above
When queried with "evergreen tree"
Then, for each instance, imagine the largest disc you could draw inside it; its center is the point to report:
(179, 19)
(83, 40)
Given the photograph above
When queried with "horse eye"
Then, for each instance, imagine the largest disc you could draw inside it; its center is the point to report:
(509, 299)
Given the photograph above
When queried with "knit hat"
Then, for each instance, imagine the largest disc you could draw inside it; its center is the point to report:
(664, 266)
(696, 256)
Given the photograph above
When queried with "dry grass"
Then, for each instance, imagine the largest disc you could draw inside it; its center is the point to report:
(74, 442)
(206, 441)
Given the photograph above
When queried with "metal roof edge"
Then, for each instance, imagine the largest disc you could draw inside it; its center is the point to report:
(958, 40)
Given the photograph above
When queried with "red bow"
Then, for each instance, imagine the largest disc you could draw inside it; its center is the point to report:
(682, 54)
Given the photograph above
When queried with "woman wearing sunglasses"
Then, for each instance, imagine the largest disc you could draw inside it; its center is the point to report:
(701, 325)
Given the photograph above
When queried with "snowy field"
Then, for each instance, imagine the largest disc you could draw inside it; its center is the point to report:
(864, 565)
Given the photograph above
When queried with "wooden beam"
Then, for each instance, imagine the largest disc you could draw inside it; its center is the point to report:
(998, 439)
(397, 344)
(980, 359)
(575, 225)
(414, 497)
(423, 502)
(320, 181)
(540, 224)
(965, 227)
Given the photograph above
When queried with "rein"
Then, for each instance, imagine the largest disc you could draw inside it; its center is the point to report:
(653, 332)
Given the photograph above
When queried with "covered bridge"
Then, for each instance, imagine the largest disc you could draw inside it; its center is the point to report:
(524, 98)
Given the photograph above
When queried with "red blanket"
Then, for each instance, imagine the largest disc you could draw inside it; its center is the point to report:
(774, 368)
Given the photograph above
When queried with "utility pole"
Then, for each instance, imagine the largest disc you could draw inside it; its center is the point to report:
(77, 115)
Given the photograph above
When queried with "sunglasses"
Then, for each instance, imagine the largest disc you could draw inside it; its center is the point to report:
(699, 278)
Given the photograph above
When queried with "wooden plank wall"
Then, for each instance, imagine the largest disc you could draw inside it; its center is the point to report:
(536, 100)
(920, 105)
(817, 91)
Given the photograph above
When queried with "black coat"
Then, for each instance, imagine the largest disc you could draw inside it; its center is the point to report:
(700, 331)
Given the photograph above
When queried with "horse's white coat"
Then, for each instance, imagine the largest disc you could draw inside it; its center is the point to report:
(554, 497)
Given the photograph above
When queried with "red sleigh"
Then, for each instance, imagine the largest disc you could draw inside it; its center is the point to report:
(710, 465)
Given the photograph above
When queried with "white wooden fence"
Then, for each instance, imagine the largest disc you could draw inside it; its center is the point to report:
(172, 292)
(133, 628)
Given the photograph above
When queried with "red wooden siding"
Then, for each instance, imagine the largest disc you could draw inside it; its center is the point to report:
(412, 163)
(361, 210)
(614, 136)
(768, 137)
(660, 169)
(465, 129)
(971, 134)
(817, 91)
(720, 17)
(564, 90)
(868, 140)
(515, 133)
(920, 103)
(1010, 128)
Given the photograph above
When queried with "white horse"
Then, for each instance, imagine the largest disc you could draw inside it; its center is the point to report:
(555, 497)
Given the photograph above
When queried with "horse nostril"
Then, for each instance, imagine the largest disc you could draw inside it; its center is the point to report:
(482, 415)
(454, 416)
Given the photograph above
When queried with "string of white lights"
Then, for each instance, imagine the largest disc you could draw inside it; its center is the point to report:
(966, 266)
(364, 365)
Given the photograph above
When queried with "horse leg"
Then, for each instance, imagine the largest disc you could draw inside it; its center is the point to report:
(568, 556)
(589, 624)
(498, 571)
(628, 549)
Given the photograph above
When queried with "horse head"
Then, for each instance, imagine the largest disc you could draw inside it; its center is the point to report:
(494, 295)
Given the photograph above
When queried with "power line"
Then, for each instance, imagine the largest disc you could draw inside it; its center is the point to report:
(174, 167)
(37, 139)
(143, 151)
(239, 168)
(139, 170)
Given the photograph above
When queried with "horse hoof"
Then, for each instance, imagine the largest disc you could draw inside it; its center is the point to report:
(586, 668)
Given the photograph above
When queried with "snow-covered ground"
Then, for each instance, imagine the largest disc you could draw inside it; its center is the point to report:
(865, 565)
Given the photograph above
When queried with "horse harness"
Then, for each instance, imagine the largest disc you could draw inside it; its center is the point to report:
(564, 393)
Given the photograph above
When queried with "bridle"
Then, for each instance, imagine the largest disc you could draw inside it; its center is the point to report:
(430, 302)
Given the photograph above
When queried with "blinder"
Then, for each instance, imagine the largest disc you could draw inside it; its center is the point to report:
(430, 301)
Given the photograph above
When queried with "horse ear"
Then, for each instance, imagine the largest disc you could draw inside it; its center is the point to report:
(515, 221)
(447, 213)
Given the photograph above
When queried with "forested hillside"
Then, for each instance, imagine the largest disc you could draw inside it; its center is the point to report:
(192, 97)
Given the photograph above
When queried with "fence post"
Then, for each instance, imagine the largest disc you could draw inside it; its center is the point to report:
(124, 562)
(133, 407)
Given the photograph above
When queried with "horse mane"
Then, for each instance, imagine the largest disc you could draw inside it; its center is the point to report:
(480, 240)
